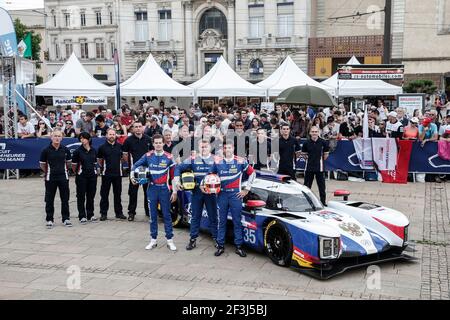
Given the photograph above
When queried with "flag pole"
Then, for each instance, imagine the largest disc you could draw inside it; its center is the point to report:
(117, 70)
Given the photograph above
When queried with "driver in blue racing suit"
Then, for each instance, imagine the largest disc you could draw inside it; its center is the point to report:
(200, 165)
(230, 169)
(161, 166)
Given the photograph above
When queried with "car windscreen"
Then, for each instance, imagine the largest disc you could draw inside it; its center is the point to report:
(298, 202)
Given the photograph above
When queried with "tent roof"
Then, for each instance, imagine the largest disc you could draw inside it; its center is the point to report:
(73, 80)
(151, 80)
(289, 75)
(222, 81)
(355, 88)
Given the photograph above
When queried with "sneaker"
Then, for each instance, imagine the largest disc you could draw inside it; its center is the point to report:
(93, 219)
(192, 244)
(83, 220)
(216, 245)
(171, 245)
(219, 251)
(121, 217)
(131, 217)
(103, 217)
(151, 245)
(240, 252)
(49, 224)
(67, 223)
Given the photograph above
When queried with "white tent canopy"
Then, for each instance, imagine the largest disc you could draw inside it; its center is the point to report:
(151, 80)
(289, 75)
(359, 88)
(222, 81)
(73, 80)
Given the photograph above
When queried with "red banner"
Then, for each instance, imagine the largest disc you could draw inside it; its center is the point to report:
(400, 174)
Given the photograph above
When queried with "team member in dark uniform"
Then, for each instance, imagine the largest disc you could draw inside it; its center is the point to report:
(133, 149)
(54, 161)
(84, 162)
(110, 160)
(288, 146)
(316, 151)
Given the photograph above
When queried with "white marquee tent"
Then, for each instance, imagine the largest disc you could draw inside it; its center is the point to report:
(359, 88)
(289, 75)
(73, 80)
(151, 80)
(222, 81)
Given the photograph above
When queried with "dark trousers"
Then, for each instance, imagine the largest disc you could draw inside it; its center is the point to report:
(86, 189)
(64, 194)
(133, 191)
(320, 179)
(116, 183)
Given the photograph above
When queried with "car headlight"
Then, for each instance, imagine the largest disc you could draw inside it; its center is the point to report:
(406, 234)
(329, 247)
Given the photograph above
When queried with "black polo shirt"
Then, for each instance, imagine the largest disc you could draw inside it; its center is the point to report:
(261, 152)
(168, 148)
(55, 161)
(112, 159)
(86, 161)
(287, 149)
(315, 150)
(137, 147)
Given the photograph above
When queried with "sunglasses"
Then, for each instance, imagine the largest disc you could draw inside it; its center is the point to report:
(69, 123)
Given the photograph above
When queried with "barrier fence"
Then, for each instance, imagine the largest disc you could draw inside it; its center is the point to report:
(25, 153)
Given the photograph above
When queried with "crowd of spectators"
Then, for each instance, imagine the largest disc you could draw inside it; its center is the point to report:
(248, 123)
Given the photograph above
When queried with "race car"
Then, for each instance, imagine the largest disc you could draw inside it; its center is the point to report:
(284, 219)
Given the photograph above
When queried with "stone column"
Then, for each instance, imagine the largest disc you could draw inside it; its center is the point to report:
(189, 39)
(231, 34)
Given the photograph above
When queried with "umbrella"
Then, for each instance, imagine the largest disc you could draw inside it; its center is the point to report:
(306, 95)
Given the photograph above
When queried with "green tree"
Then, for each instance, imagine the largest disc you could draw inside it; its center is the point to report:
(420, 86)
(36, 39)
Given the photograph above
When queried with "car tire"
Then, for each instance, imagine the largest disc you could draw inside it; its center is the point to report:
(178, 219)
(278, 243)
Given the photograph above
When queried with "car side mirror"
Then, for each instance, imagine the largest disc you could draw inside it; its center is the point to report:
(342, 193)
(255, 204)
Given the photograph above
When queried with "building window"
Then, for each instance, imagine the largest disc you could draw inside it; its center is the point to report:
(67, 19)
(256, 21)
(69, 49)
(213, 19)
(285, 19)
(98, 16)
(54, 18)
(141, 26)
(83, 19)
(256, 67)
(112, 47)
(84, 54)
(165, 25)
(57, 52)
(110, 17)
(167, 67)
(100, 50)
(140, 64)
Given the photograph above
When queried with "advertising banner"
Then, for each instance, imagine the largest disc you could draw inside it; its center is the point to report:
(8, 39)
(80, 100)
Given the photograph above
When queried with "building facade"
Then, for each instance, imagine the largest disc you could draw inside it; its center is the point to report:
(186, 37)
(88, 28)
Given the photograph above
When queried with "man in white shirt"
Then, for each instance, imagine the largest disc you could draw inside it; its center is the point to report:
(24, 128)
(76, 113)
(172, 127)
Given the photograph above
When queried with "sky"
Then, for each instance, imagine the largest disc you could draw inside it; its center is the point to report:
(21, 4)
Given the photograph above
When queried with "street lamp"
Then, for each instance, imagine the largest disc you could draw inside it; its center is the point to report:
(239, 60)
(174, 60)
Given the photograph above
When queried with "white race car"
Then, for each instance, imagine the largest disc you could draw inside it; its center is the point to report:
(284, 219)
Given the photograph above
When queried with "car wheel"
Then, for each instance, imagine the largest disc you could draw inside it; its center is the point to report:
(179, 220)
(278, 243)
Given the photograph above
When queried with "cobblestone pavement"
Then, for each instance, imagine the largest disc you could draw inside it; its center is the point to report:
(35, 263)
